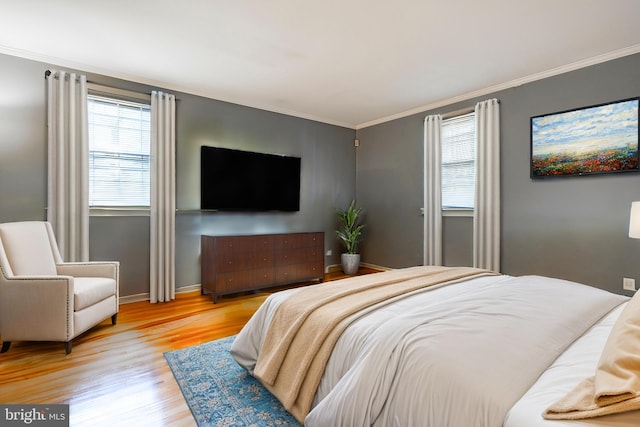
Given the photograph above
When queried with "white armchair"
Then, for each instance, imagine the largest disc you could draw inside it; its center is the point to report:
(43, 298)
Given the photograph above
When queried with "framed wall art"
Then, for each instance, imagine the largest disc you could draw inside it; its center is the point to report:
(585, 141)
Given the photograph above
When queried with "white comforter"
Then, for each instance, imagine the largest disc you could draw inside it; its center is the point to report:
(577, 363)
(460, 355)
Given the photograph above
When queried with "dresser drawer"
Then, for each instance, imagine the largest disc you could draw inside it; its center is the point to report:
(298, 240)
(240, 244)
(238, 281)
(237, 261)
(299, 272)
(298, 256)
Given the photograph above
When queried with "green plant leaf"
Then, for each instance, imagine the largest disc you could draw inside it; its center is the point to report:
(351, 231)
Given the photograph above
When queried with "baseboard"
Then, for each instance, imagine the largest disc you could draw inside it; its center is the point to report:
(338, 267)
(190, 288)
(146, 296)
(134, 298)
(332, 268)
(375, 267)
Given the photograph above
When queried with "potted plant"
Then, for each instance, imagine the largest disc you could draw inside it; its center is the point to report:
(350, 235)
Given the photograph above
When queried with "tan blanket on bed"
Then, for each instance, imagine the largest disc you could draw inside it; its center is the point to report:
(615, 387)
(306, 326)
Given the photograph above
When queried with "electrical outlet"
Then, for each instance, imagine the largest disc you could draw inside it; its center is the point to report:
(329, 252)
(628, 284)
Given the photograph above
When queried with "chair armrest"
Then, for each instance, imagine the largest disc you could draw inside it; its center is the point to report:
(40, 305)
(108, 269)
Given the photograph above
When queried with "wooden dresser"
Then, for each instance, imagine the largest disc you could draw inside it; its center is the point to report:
(231, 264)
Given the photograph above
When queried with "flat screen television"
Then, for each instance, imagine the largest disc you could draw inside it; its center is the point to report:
(237, 180)
(586, 141)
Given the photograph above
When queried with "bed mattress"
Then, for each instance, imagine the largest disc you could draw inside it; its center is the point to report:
(393, 366)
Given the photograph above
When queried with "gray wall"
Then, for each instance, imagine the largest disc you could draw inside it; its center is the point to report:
(572, 227)
(328, 172)
(23, 161)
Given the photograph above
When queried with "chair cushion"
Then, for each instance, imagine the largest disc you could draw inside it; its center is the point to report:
(91, 290)
(28, 248)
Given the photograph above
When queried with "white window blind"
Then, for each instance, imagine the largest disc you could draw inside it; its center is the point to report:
(119, 153)
(459, 162)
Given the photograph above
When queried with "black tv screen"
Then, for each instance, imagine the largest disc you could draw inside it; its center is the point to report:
(236, 180)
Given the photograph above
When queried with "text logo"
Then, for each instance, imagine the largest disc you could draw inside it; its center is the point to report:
(34, 415)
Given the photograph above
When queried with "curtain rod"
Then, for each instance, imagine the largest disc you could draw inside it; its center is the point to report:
(48, 73)
(112, 91)
(108, 90)
(461, 112)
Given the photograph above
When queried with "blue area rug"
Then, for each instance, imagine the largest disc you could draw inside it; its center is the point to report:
(221, 393)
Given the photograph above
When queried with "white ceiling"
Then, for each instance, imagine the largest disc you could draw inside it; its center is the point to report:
(347, 62)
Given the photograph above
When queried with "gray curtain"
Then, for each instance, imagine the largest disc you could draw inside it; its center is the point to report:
(486, 220)
(432, 191)
(68, 163)
(163, 197)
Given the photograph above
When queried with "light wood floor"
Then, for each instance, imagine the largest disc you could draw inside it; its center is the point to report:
(117, 375)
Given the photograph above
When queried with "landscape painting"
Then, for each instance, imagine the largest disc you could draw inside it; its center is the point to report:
(590, 140)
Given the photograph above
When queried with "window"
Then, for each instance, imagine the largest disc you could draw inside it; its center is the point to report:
(119, 153)
(459, 162)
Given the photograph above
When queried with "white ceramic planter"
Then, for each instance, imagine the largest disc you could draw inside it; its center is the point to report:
(350, 263)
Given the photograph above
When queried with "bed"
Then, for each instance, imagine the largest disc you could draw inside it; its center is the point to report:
(454, 347)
